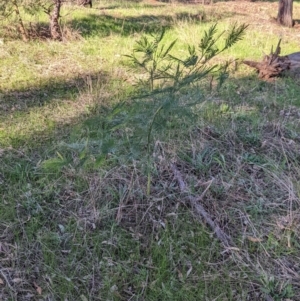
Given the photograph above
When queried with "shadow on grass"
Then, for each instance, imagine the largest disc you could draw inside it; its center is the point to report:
(46, 202)
(108, 7)
(45, 92)
(135, 4)
(105, 25)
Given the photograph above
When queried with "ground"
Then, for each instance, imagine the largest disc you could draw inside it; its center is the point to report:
(108, 195)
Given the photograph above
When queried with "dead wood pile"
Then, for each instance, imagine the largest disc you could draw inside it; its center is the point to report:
(274, 65)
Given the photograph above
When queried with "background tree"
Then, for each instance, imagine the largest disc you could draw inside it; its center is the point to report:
(14, 8)
(285, 13)
(53, 10)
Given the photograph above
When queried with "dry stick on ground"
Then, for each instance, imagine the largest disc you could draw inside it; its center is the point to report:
(7, 281)
(225, 239)
(274, 65)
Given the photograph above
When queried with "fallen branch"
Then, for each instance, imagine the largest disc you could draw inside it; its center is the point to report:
(195, 203)
(242, 257)
(274, 65)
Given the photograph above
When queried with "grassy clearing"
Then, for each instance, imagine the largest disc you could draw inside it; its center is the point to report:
(90, 206)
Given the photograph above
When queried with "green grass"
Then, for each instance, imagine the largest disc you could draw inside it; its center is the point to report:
(90, 208)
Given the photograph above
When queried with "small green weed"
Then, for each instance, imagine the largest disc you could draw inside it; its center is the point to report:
(276, 290)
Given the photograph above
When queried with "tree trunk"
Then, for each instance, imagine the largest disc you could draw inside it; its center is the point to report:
(21, 26)
(285, 13)
(54, 21)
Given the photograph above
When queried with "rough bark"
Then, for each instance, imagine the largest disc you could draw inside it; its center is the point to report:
(285, 13)
(54, 21)
(274, 65)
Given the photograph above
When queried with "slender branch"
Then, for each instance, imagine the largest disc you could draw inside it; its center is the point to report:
(7, 281)
(21, 26)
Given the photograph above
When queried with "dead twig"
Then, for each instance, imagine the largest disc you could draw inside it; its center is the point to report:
(195, 203)
(7, 281)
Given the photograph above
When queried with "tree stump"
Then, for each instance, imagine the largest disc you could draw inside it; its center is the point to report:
(274, 65)
(85, 3)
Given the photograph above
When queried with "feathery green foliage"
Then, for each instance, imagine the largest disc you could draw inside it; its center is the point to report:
(164, 72)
